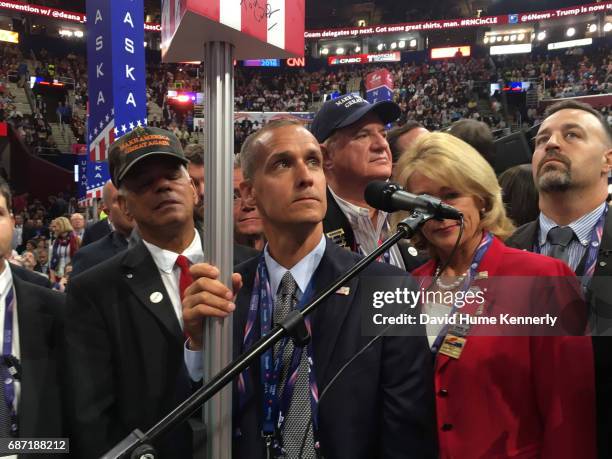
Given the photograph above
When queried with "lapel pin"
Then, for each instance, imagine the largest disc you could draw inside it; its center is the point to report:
(156, 297)
(343, 291)
(412, 251)
(482, 275)
(129, 275)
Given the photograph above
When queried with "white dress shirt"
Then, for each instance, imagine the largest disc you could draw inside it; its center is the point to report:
(170, 273)
(302, 271)
(6, 283)
(367, 237)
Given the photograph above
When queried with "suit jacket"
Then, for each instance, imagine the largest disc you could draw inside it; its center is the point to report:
(124, 356)
(96, 231)
(336, 220)
(29, 276)
(599, 294)
(93, 254)
(382, 404)
(518, 396)
(39, 312)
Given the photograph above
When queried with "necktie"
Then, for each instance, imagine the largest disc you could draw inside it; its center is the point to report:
(559, 238)
(5, 414)
(299, 413)
(185, 278)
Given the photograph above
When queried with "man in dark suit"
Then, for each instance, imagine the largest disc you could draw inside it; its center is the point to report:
(352, 135)
(571, 164)
(128, 363)
(103, 227)
(33, 350)
(111, 244)
(381, 405)
(30, 276)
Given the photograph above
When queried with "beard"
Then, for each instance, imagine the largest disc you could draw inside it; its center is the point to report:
(552, 180)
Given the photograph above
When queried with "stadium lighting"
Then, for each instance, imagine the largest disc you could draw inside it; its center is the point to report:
(607, 27)
(339, 50)
(402, 44)
(325, 51)
(512, 37)
(593, 28)
(506, 37)
(499, 38)
(393, 45)
(570, 32)
(413, 43)
(145, 44)
(521, 36)
(78, 33)
(380, 47)
(65, 33)
(486, 40)
(357, 49)
(542, 35)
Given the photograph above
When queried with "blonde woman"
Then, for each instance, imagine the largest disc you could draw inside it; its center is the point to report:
(497, 396)
(63, 249)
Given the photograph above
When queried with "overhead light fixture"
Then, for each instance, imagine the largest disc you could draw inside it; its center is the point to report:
(402, 44)
(506, 37)
(325, 51)
(513, 37)
(541, 35)
(393, 45)
(357, 49)
(607, 27)
(145, 44)
(499, 38)
(340, 50)
(380, 47)
(521, 36)
(413, 43)
(486, 40)
(78, 33)
(570, 32)
(593, 28)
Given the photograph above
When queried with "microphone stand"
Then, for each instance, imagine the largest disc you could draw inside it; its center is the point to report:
(137, 445)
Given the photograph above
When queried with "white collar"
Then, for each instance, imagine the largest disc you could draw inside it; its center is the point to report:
(302, 271)
(166, 259)
(6, 279)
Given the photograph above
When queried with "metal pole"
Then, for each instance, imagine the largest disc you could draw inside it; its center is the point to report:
(219, 231)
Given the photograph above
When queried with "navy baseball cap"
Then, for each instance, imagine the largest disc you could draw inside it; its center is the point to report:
(348, 109)
(139, 144)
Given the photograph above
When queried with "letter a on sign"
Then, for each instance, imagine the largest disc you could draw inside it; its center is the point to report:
(98, 16)
(100, 98)
(130, 100)
(128, 19)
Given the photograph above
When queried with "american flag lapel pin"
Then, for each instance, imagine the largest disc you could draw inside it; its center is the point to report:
(343, 291)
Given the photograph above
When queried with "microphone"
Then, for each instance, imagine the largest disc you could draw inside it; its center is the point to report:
(390, 197)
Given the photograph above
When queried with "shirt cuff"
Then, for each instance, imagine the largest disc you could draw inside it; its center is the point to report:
(194, 363)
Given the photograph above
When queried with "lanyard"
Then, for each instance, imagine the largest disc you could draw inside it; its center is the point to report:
(592, 251)
(274, 410)
(7, 351)
(482, 249)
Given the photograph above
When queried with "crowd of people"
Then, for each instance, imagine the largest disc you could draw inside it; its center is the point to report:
(434, 93)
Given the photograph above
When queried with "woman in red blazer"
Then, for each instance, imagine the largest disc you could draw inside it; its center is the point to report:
(496, 396)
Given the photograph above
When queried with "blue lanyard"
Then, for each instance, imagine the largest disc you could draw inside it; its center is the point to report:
(274, 410)
(592, 252)
(7, 351)
(482, 249)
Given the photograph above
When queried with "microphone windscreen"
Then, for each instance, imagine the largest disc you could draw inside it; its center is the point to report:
(378, 194)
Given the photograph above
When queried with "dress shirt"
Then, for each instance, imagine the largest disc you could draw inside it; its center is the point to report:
(6, 282)
(165, 260)
(302, 271)
(582, 227)
(367, 237)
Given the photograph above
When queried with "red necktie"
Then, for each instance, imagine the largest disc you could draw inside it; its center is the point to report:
(185, 278)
